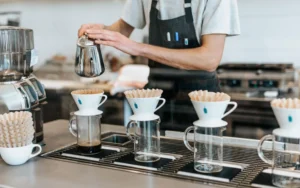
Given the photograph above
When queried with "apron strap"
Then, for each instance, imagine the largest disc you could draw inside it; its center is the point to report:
(187, 7)
(154, 3)
(188, 11)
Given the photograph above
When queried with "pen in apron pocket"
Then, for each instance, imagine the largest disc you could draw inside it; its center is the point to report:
(169, 36)
(186, 41)
(176, 36)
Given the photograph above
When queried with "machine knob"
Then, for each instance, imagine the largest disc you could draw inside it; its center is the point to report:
(259, 72)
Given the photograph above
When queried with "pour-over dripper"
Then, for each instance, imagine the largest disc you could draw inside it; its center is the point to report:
(144, 108)
(287, 113)
(213, 110)
(287, 118)
(88, 100)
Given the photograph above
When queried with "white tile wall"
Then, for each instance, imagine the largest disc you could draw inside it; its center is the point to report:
(270, 28)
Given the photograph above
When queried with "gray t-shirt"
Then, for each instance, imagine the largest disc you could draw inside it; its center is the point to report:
(210, 16)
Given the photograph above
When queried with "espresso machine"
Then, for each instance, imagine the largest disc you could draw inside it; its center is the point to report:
(20, 90)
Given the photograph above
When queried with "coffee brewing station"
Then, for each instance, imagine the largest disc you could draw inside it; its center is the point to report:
(201, 156)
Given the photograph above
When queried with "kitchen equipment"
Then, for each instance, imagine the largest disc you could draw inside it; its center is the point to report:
(286, 151)
(89, 100)
(208, 132)
(241, 164)
(24, 96)
(88, 132)
(286, 157)
(146, 139)
(144, 108)
(17, 55)
(249, 85)
(10, 18)
(147, 131)
(89, 62)
(208, 145)
(246, 78)
(19, 155)
(288, 118)
(213, 110)
(20, 89)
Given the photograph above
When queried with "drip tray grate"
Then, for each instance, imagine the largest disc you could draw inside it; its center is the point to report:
(129, 161)
(226, 175)
(118, 154)
(105, 151)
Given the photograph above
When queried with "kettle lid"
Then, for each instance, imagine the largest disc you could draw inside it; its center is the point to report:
(84, 41)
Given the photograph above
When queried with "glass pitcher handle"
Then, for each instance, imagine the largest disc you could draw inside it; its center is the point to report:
(260, 151)
(129, 125)
(71, 122)
(186, 142)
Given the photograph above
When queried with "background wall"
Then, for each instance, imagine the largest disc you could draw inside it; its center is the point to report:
(270, 28)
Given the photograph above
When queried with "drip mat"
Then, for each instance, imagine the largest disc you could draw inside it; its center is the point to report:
(243, 169)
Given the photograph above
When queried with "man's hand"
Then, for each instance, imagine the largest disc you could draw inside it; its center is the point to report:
(85, 27)
(114, 39)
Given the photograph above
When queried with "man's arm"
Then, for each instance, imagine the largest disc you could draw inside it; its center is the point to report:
(119, 26)
(207, 57)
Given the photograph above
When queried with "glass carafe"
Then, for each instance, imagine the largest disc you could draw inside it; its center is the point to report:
(208, 148)
(146, 140)
(285, 159)
(88, 133)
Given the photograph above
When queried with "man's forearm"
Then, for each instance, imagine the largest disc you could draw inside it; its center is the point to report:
(189, 59)
(207, 57)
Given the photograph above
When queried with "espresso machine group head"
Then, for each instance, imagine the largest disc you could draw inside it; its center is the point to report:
(20, 90)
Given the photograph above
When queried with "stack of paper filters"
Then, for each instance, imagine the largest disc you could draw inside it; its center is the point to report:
(287, 113)
(143, 93)
(206, 96)
(210, 108)
(16, 129)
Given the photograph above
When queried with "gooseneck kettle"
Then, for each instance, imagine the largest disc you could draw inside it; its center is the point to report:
(89, 62)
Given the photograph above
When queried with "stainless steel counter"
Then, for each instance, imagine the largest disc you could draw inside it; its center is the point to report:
(40, 172)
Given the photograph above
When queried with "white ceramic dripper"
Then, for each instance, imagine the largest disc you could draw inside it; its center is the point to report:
(288, 120)
(88, 104)
(212, 113)
(144, 108)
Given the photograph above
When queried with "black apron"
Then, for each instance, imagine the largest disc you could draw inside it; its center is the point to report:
(177, 33)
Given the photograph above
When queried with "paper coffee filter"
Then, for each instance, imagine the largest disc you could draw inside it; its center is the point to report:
(88, 91)
(16, 129)
(286, 103)
(143, 93)
(205, 96)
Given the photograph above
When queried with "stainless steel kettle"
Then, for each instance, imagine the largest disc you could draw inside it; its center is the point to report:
(89, 62)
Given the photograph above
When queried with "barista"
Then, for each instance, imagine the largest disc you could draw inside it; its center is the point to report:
(185, 36)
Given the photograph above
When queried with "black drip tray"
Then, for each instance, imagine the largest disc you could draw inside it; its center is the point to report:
(128, 160)
(226, 175)
(263, 180)
(105, 151)
(116, 139)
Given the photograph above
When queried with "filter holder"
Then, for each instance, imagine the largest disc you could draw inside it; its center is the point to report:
(144, 117)
(88, 112)
(211, 123)
(287, 133)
